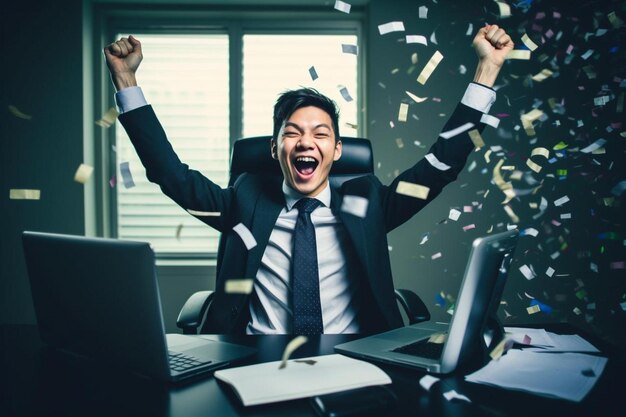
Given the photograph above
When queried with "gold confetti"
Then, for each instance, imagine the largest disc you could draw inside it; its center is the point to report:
(83, 173)
(292, 346)
(505, 9)
(529, 43)
(438, 338)
(518, 54)
(412, 190)
(17, 113)
(403, 112)
(477, 140)
(108, 118)
(545, 73)
(430, 67)
(239, 286)
(528, 119)
(416, 98)
(533, 309)
(511, 214)
(23, 194)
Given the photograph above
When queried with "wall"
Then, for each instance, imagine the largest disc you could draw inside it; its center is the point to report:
(587, 250)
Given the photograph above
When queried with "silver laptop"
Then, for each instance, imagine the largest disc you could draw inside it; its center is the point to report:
(99, 298)
(473, 328)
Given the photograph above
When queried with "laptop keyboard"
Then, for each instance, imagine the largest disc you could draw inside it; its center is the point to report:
(181, 361)
(422, 348)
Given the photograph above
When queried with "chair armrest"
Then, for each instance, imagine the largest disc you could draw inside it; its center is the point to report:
(413, 306)
(192, 313)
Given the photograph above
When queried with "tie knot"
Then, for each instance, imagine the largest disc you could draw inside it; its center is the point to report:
(307, 205)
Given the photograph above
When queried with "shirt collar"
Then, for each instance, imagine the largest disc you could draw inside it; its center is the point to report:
(292, 196)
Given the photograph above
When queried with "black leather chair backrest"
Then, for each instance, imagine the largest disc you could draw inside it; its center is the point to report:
(252, 155)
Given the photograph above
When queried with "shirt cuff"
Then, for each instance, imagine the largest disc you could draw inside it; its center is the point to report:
(479, 97)
(130, 98)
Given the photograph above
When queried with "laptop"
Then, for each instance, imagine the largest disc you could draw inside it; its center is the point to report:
(474, 328)
(99, 298)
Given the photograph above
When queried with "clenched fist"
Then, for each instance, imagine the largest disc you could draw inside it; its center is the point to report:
(492, 44)
(123, 58)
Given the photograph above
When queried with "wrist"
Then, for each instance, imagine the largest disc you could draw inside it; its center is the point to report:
(486, 73)
(124, 80)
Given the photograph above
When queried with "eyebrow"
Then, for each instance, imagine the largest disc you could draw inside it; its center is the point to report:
(299, 129)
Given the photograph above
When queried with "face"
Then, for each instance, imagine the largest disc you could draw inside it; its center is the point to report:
(306, 149)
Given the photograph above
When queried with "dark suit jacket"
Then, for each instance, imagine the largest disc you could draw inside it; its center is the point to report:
(256, 202)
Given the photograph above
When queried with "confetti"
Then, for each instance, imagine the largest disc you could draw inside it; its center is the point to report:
(349, 49)
(345, 94)
(550, 271)
(83, 173)
(453, 395)
(505, 9)
(355, 205)
(454, 214)
(290, 348)
(456, 131)
(108, 118)
(438, 338)
(477, 140)
(490, 120)
(544, 74)
(239, 286)
(430, 67)
(204, 213)
(412, 190)
(504, 345)
(403, 112)
(127, 177)
(423, 12)
(24, 194)
(594, 146)
(417, 39)
(416, 98)
(17, 113)
(436, 255)
(391, 27)
(313, 73)
(528, 42)
(432, 159)
(342, 6)
(561, 201)
(245, 235)
(469, 227)
(527, 272)
(533, 309)
(428, 381)
(518, 54)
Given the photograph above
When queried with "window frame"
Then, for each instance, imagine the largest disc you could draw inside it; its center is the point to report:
(233, 21)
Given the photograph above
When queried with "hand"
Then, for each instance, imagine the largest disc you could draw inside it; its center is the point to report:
(123, 58)
(492, 44)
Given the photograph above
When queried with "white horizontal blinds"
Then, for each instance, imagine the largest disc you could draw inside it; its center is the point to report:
(275, 63)
(185, 79)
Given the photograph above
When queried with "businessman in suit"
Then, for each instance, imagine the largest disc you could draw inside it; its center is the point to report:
(316, 268)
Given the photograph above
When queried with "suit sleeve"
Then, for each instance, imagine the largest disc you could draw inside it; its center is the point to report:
(452, 153)
(187, 187)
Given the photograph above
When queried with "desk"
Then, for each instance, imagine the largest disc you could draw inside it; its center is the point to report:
(35, 381)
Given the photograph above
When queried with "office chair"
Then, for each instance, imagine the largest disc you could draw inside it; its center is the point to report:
(252, 155)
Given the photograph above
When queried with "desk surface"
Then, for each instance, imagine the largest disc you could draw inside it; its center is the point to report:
(35, 381)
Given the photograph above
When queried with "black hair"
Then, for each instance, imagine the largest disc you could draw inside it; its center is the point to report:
(291, 100)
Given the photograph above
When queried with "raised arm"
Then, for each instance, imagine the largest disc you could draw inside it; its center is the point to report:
(123, 58)
(491, 44)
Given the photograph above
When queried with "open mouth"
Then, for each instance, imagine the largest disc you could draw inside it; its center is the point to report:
(305, 165)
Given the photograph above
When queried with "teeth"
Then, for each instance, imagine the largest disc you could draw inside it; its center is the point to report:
(305, 159)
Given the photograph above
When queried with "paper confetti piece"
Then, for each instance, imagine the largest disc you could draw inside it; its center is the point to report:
(431, 65)
(518, 54)
(476, 138)
(504, 345)
(204, 213)
(290, 348)
(245, 235)
(594, 146)
(108, 118)
(469, 227)
(416, 98)
(432, 159)
(527, 272)
(355, 205)
(436, 256)
(391, 27)
(438, 338)
(83, 173)
(528, 42)
(423, 12)
(453, 395)
(454, 214)
(456, 131)
(505, 9)
(24, 194)
(490, 120)
(428, 381)
(342, 6)
(127, 177)
(561, 201)
(239, 286)
(412, 190)
(403, 112)
(550, 271)
(533, 309)
(313, 74)
(542, 75)
(349, 49)
(19, 114)
(417, 39)
(345, 94)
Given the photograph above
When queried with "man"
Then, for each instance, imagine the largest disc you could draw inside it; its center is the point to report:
(316, 268)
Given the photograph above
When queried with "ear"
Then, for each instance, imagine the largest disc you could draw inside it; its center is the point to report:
(338, 150)
(273, 148)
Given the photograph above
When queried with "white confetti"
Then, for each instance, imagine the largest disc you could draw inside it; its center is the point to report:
(355, 205)
(454, 214)
(453, 395)
(391, 27)
(245, 235)
(342, 6)
(594, 146)
(204, 213)
(561, 201)
(528, 42)
(83, 173)
(416, 98)
(456, 131)
(518, 54)
(427, 381)
(423, 12)
(527, 272)
(550, 271)
(490, 120)
(23, 194)
(417, 39)
(432, 159)
(127, 177)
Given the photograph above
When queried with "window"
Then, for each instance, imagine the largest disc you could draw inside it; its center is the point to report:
(209, 85)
